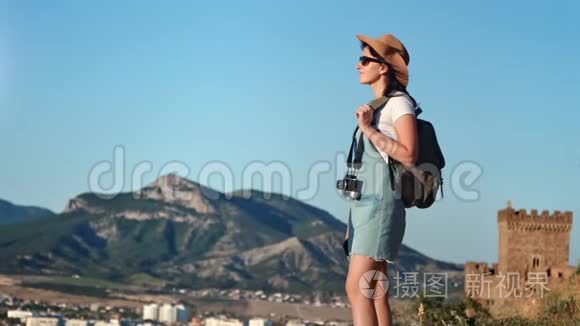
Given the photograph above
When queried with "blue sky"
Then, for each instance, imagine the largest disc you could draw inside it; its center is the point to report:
(274, 81)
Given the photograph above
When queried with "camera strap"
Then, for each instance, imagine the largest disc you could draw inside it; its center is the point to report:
(356, 150)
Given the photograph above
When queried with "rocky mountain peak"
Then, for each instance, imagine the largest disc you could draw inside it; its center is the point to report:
(79, 203)
(176, 189)
(173, 180)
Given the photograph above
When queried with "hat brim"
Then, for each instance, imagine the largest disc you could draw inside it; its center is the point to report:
(394, 58)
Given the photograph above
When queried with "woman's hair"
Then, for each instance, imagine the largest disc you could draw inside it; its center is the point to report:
(393, 84)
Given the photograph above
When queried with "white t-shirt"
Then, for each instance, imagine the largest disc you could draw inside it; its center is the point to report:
(397, 106)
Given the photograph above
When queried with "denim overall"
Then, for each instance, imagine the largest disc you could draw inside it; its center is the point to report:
(376, 222)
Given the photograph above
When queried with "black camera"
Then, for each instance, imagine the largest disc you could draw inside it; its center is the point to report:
(350, 187)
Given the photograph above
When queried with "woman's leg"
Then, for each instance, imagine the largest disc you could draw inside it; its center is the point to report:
(382, 306)
(363, 308)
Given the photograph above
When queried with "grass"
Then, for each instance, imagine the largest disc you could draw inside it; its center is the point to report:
(142, 279)
(90, 291)
(87, 286)
(82, 282)
(433, 311)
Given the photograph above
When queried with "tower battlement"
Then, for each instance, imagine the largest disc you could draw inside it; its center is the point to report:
(521, 216)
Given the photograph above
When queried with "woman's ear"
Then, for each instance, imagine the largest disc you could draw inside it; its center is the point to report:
(384, 69)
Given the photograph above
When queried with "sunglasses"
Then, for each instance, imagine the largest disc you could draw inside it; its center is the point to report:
(364, 60)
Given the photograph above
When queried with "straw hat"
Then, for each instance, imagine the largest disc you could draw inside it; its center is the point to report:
(392, 51)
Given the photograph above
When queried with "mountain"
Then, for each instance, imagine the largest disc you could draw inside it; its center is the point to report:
(10, 213)
(192, 236)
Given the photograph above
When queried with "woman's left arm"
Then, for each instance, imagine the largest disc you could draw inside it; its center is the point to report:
(405, 149)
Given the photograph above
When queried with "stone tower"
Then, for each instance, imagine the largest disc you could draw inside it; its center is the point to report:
(533, 242)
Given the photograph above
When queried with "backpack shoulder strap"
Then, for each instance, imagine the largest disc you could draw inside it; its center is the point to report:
(418, 111)
(379, 102)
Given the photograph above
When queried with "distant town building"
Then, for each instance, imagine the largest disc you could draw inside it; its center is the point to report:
(44, 321)
(151, 312)
(20, 314)
(183, 313)
(223, 322)
(115, 322)
(295, 323)
(196, 322)
(167, 313)
(106, 323)
(533, 252)
(76, 322)
(259, 322)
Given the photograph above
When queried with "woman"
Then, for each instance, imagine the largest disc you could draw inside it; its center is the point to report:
(376, 223)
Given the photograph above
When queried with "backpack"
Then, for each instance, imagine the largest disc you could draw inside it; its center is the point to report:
(418, 184)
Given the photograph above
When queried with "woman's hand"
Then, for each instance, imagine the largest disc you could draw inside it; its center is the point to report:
(364, 116)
